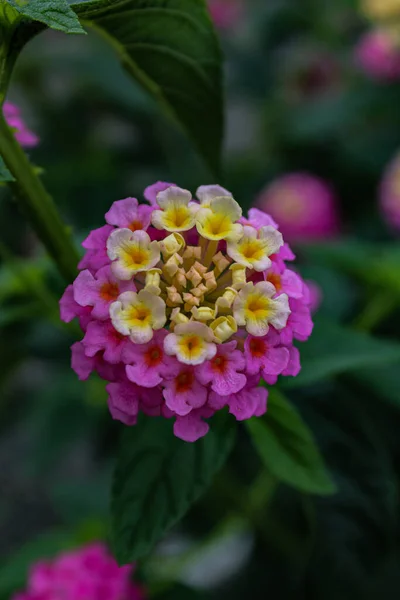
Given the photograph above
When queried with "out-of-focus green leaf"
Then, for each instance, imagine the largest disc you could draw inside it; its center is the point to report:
(5, 174)
(14, 570)
(333, 349)
(170, 48)
(16, 314)
(13, 281)
(158, 477)
(372, 264)
(288, 449)
(384, 382)
(56, 14)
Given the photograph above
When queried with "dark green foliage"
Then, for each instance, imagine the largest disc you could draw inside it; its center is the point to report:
(288, 449)
(158, 477)
(56, 14)
(170, 48)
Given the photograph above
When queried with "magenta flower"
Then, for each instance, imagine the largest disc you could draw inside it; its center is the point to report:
(226, 14)
(126, 399)
(148, 363)
(96, 246)
(89, 573)
(265, 355)
(389, 196)
(23, 135)
(315, 296)
(249, 402)
(378, 55)
(99, 291)
(69, 309)
(224, 372)
(185, 315)
(128, 214)
(150, 193)
(101, 336)
(303, 205)
(184, 393)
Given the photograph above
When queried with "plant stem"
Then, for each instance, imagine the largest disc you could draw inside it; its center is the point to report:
(37, 205)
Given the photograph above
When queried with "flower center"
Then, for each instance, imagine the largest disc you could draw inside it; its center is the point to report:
(184, 381)
(276, 281)
(252, 250)
(191, 346)
(218, 363)
(177, 216)
(258, 347)
(136, 225)
(219, 224)
(257, 307)
(135, 256)
(109, 291)
(153, 356)
(138, 316)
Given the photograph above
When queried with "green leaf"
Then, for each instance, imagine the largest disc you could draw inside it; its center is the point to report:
(171, 49)
(5, 174)
(56, 14)
(377, 266)
(14, 570)
(288, 449)
(158, 477)
(383, 382)
(18, 314)
(333, 349)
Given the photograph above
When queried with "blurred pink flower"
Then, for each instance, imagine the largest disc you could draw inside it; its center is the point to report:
(315, 295)
(389, 196)
(24, 136)
(89, 573)
(303, 205)
(378, 56)
(225, 13)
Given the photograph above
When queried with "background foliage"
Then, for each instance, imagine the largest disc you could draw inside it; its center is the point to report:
(269, 522)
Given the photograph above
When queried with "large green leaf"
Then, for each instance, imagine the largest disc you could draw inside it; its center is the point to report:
(333, 349)
(171, 49)
(158, 477)
(5, 174)
(56, 14)
(288, 449)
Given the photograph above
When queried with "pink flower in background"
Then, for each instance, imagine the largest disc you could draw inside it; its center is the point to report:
(225, 13)
(378, 56)
(185, 318)
(315, 296)
(389, 196)
(89, 573)
(304, 206)
(24, 136)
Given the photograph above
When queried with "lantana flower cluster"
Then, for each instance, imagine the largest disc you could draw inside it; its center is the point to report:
(89, 573)
(23, 135)
(185, 305)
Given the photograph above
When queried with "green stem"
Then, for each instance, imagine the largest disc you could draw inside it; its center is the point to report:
(37, 205)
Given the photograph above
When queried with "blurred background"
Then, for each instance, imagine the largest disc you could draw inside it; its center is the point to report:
(312, 134)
